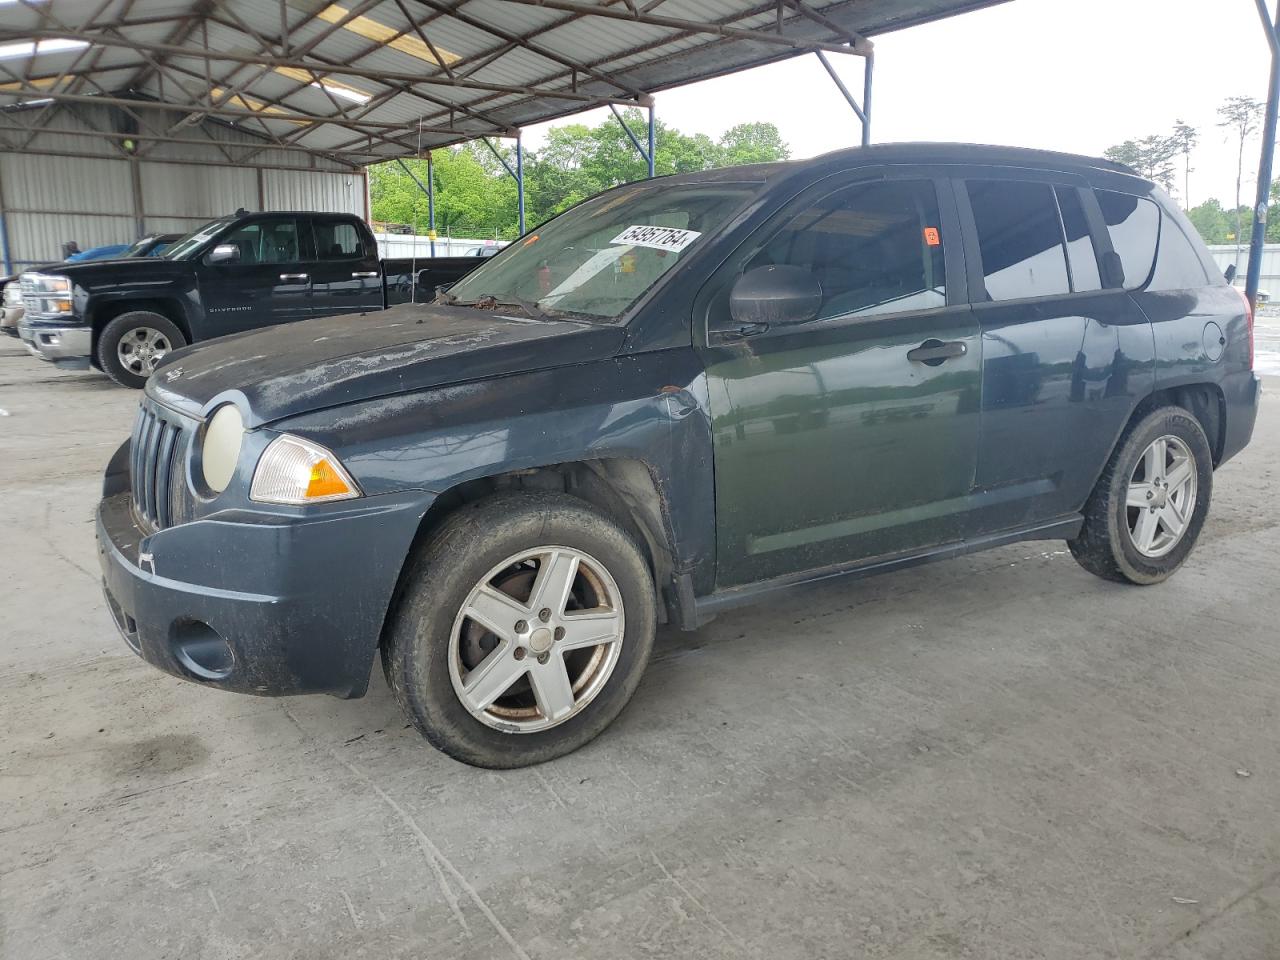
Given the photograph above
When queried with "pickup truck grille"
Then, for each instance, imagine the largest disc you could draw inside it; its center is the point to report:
(157, 467)
(30, 303)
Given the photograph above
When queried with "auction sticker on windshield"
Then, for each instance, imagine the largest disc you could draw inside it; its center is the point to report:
(659, 238)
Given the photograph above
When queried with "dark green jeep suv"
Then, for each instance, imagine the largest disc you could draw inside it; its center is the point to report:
(679, 396)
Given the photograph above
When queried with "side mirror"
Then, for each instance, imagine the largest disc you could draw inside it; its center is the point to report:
(1230, 273)
(1112, 269)
(223, 253)
(775, 295)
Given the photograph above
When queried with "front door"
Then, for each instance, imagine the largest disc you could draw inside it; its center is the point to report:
(346, 276)
(268, 284)
(854, 435)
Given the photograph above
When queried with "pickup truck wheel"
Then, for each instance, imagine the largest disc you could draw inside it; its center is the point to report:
(1145, 514)
(521, 630)
(131, 345)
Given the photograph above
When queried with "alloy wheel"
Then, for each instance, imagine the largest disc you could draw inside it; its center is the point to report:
(1161, 498)
(141, 349)
(536, 639)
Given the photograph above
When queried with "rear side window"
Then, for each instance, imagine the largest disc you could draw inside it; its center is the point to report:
(1020, 239)
(1177, 266)
(875, 248)
(1080, 254)
(1134, 224)
(337, 240)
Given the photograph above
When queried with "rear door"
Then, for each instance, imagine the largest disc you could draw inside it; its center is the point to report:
(269, 284)
(1064, 359)
(346, 276)
(832, 444)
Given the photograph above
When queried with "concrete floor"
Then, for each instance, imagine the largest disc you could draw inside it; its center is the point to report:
(999, 756)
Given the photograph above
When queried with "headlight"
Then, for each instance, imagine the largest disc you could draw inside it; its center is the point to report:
(47, 294)
(296, 471)
(221, 450)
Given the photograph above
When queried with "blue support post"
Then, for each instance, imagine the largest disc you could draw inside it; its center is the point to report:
(431, 202)
(520, 179)
(1259, 235)
(652, 139)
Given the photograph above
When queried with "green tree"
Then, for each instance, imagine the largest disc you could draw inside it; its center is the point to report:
(1240, 116)
(1152, 157)
(1185, 138)
(476, 197)
(1211, 221)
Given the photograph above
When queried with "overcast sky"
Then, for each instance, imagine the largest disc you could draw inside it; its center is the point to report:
(1076, 75)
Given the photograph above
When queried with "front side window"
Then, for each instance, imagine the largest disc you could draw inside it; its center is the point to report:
(1020, 239)
(337, 240)
(1134, 225)
(600, 257)
(266, 241)
(874, 248)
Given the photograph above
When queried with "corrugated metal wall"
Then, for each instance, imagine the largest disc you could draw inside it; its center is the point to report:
(81, 187)
(1227, 254)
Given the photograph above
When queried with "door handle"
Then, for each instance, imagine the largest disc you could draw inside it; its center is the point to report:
(293, 276)
(364, 273)
(934, 352)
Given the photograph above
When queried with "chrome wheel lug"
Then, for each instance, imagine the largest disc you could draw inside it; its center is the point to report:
(522, 626)
(559, 634)
(544, 657)
(519, 654)
(544, 614)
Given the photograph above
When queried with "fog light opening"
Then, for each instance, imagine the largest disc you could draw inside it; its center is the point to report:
(201, 651)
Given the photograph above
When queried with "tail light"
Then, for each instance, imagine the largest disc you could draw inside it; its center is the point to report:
(1248, 318)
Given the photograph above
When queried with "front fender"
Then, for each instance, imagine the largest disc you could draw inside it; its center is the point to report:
(647, 407)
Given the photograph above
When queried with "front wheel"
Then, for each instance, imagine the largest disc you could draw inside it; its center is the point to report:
(132, 344)
(1145, 514)
(523, 628)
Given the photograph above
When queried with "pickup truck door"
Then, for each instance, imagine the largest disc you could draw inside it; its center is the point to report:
(346, 276)
(269, 284)
(839, 440)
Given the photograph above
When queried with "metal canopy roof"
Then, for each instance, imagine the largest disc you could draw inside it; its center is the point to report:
(355, 80)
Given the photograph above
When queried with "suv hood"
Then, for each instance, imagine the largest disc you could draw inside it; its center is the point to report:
(299, 367)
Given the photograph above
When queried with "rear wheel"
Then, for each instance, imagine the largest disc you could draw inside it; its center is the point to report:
(1145, 514)
(523, 629)
(132, 344)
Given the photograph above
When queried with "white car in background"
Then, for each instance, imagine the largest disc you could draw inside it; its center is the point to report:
(11, 307)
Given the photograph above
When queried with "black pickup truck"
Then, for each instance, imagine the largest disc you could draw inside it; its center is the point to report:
(236, 273)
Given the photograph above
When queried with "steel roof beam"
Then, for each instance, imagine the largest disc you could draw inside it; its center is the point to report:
(861, 46)
(346, 70)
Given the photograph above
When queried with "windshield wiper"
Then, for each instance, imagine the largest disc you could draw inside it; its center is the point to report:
(490, 302)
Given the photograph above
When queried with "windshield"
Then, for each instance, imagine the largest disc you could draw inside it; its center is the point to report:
(138, 247)
(193, 241)
(600, 257)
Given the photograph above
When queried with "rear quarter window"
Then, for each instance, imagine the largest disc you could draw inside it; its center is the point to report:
(1177, 265)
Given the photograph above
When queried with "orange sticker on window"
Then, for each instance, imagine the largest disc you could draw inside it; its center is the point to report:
(931, 237)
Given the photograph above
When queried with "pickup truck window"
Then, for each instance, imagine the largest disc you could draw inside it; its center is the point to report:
(875, 248)
(600, 257)
(337, 240)
(273, 240)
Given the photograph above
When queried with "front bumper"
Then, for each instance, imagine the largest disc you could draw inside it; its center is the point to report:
(259, 603)
(62, 344)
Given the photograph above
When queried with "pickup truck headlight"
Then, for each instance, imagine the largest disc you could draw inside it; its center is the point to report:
(296, 471)
(220, 451)
(47, 295)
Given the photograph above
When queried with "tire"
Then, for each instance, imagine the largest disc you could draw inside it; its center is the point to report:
(157, 336)
(433, 651)
(1116, 526)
